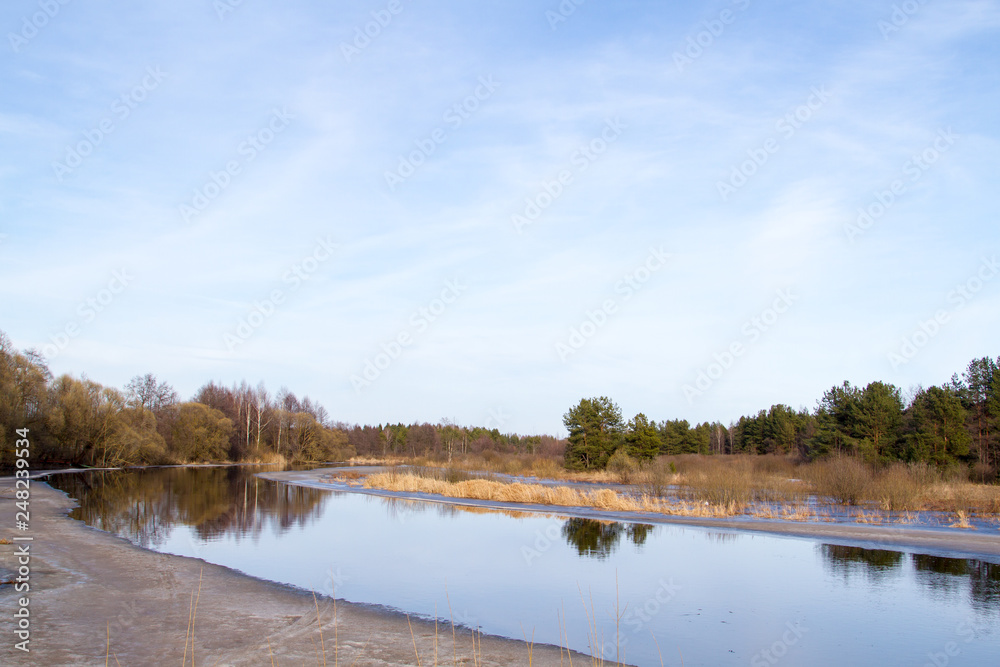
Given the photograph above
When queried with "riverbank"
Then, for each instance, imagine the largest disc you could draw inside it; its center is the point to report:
(89, 588)
(947, 542)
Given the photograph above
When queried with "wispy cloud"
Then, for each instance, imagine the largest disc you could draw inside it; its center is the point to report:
(686, 130)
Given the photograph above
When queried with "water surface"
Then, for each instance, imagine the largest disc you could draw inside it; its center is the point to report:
(710, 597)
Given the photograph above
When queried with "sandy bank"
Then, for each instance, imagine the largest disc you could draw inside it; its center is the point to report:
(956, 543)
(85, 583)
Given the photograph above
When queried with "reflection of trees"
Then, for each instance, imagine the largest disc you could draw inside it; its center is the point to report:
(937, 574)
(877, 564)
(948, 574)
(142, 505)
(599, 539)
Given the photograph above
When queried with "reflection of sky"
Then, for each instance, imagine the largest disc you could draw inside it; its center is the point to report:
(734, 594)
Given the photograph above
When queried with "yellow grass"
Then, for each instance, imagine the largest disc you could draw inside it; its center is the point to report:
(785, 513)
(375, 461)
(268, 458)
(962, 522)
(537, 494)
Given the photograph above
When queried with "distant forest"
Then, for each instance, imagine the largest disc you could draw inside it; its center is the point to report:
(955, 424)
(77, 421)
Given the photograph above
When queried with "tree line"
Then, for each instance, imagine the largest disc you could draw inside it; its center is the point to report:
(956, 423)
(77, 421)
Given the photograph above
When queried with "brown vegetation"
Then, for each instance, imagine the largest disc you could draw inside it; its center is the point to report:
(696, 485)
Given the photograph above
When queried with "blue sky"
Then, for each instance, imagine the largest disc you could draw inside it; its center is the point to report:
(487, 211)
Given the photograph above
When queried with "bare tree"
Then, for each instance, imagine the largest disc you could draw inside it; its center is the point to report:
(143, 391)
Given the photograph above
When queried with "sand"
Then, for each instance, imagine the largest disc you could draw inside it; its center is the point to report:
(86, 584)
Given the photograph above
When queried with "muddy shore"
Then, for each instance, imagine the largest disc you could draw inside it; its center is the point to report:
(87, 585)
(951, 543)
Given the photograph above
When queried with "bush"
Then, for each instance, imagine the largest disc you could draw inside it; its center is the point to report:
(898, 488)
(655, 478)
(842, 478)
(724, 483)
(622, 466)
(983, 473)
(456, 475)
(546, 468)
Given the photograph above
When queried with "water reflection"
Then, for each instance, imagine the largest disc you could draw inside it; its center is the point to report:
(876, 564)
(695, 590)
(937, 575)
(952, 575)
(142, 505)
(399, 509)
(599, 539)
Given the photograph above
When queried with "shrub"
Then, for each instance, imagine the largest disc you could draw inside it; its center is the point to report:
(842, 478)
(726, 483)
(898, 488)
(654, 479)
(622, 466)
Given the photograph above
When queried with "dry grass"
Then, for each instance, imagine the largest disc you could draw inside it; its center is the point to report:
(843, 479)
(268, 458)
(655, 478)
(896, 489)
(961, 496)
(962, 521)
(874, 517)
(725, 485)
(901, 487)
(536, 494)
(785, 513)
(740, 480)
(376, 461)
(482, 489)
